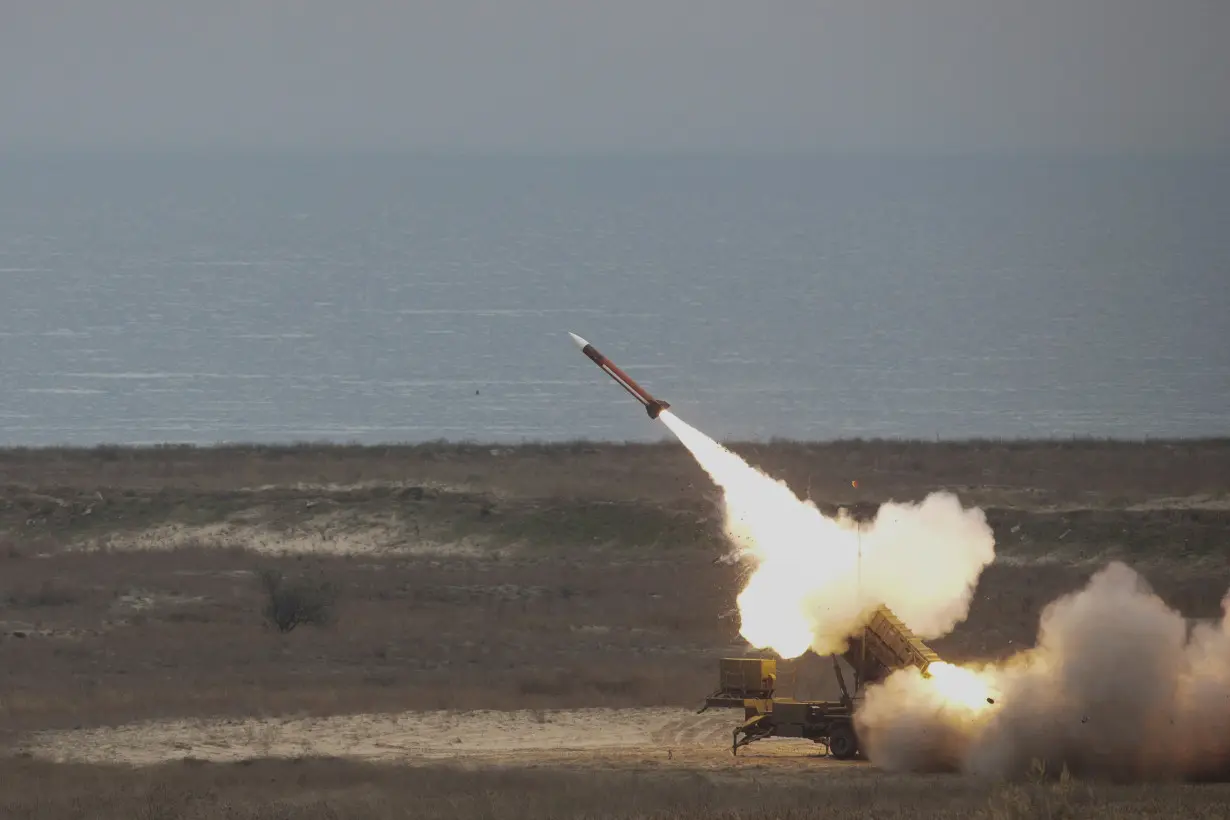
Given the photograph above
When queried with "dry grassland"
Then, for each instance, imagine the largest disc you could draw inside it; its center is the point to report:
(329, 789)
(535, 578)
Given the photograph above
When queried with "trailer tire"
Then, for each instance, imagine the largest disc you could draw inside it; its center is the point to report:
(843, 743)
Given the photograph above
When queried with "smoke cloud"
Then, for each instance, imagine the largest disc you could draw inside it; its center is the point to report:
(815, 579)
(1116, 687)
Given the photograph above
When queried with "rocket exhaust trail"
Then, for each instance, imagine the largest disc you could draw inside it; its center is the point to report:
(921, 560)
(815, 579)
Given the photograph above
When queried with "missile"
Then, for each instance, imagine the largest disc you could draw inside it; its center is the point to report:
(652, 406)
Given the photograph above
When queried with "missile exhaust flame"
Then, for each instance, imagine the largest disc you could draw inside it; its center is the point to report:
(922, 560)
(960, 687)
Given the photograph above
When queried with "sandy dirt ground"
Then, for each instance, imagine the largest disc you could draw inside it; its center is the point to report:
(321, 535)
(578, 736)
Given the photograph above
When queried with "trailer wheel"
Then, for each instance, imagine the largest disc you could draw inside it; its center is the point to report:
(843, 743)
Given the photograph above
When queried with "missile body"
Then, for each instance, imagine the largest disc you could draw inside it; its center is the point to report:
(652, 406)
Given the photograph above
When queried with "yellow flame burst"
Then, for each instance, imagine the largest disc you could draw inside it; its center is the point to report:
(962, 687)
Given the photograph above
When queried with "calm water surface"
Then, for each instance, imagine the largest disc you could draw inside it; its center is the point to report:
(390, 299)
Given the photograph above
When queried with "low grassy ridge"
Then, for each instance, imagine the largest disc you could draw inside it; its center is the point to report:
(1069, 470)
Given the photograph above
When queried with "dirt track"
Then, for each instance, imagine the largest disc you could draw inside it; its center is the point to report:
(582, 736)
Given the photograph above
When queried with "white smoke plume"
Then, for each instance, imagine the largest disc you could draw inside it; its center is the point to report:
(815, 578)
(1116, 687)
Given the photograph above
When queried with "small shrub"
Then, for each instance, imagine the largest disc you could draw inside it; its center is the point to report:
(290, 603)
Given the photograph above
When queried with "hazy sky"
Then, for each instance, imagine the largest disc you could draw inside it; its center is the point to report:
(620, 75)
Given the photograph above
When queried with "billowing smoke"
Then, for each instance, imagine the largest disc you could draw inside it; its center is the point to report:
(816, 578)
(1116, 687)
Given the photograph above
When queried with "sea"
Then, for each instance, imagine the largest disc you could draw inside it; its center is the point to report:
(381, 298)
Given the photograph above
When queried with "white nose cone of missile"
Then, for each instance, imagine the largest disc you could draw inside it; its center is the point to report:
(578, 341)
